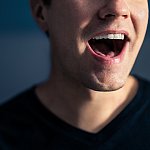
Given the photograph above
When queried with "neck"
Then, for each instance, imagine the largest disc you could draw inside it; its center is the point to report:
(84, 108)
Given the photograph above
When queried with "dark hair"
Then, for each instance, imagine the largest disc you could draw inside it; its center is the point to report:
(47, 2)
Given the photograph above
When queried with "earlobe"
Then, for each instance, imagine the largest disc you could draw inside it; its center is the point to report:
(39, 13)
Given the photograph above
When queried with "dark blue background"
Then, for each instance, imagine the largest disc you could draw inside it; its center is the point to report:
(24, 50)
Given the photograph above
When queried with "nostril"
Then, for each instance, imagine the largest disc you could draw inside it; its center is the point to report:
(125, 16)
(111, 16)
(104, 17)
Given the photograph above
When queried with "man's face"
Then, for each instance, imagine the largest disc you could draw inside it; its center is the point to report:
(96, 42)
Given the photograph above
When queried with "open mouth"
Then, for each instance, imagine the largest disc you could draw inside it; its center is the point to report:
(109, 45)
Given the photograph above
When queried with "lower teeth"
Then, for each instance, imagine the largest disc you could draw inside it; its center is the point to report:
(111, 54)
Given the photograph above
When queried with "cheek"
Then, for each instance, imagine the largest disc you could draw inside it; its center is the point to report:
(142, 16)
(80, 12)
(139, 16)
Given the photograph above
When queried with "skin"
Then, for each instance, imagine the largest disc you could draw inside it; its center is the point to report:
(81, 90)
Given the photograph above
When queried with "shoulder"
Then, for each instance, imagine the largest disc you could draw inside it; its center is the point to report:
(18, 101)
(16, 116)
(143, 98)
(144, 86)
(22, 121)
(12, 112)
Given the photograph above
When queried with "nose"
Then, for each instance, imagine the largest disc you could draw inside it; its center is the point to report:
(114, 9)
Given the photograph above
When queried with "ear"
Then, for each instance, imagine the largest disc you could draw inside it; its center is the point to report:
(39, 13)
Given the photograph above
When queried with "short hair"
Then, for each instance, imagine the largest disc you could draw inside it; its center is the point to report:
(46, 2)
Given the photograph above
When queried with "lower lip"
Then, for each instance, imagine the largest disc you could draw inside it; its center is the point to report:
(109, 60)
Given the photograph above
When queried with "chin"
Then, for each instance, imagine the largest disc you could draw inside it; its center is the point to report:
(106, 86)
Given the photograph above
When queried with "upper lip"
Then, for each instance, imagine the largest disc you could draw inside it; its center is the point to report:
(111, 32)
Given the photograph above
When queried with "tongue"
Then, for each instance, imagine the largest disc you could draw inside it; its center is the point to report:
(103, 49)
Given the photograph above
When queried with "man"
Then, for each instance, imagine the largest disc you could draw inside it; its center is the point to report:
(90, 101)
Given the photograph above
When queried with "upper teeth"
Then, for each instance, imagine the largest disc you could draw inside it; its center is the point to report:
(110, 36)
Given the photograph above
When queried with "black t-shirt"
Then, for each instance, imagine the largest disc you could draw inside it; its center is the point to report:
(25, 124)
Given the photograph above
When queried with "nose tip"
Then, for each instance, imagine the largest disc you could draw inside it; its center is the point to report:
(114, 9)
